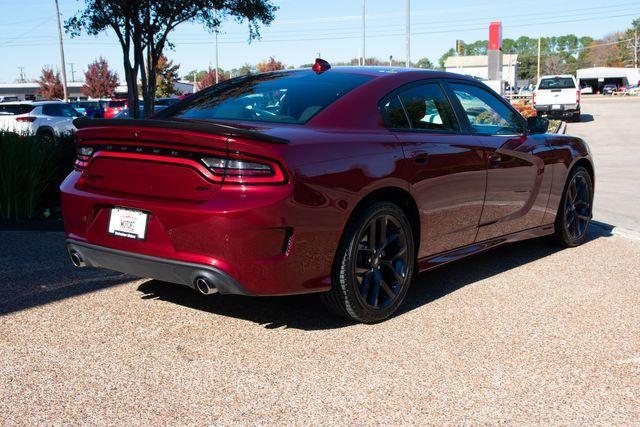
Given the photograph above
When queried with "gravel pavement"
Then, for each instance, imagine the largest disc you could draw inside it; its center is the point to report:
(525, 334)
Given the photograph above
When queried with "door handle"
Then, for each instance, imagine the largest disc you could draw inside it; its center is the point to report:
(420, 157)
(494, 160)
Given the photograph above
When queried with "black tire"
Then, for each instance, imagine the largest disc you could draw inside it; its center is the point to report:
(576, 117)
(574, 213)
(45, 137)
(369, 284)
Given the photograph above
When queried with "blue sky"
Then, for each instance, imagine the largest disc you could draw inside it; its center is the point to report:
(304, 27)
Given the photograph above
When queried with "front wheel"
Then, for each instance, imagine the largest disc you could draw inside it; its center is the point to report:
(575, 211)
(373, 266)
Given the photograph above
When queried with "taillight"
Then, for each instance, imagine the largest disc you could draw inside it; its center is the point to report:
(577, 97)
(243, 169)
(83, 154)
(533, 98)
(29, 119)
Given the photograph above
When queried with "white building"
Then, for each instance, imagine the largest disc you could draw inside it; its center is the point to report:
(478, 66)
(597, 77)
(28, 91)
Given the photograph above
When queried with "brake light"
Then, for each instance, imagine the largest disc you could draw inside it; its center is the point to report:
(533, 98)
(239, 168)
(29, 119)
(578, 96)
(83, 154)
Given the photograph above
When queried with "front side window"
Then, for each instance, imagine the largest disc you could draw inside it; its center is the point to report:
(283, 97)
(487, 115)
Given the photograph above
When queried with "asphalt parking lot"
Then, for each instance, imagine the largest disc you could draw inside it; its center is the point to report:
(526, 334)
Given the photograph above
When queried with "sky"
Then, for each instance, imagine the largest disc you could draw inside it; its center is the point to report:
(302, 28)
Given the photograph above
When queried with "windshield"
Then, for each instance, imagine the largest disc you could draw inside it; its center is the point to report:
(15, 109)
(557, 83)
(88, 104)
(283, 97)
(115, 104)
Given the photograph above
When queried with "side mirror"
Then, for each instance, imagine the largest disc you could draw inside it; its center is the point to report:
(536, 125)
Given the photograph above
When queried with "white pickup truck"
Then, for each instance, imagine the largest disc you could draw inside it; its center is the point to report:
(557, 96)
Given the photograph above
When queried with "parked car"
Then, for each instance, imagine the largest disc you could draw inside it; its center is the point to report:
(124, 114)
(586, 90)
(165, 102)
(114, 106)
(47, 120)
(557, 96)
(609, 89)
(92, 109)
(357, 179)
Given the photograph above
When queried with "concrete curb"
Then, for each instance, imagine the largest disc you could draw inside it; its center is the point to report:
(622, 232)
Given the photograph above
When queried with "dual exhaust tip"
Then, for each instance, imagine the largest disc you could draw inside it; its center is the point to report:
(202, 284)
(76, 259)
(205, 286)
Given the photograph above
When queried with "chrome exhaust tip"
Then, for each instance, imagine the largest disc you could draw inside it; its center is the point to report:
(76, 259)
(204, 286)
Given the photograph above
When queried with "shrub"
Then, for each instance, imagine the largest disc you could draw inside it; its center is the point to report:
(30, 174)
(525, 109)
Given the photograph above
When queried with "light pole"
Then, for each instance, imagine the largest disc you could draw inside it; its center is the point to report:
(364, 55)
(64, 70)
(407, 6)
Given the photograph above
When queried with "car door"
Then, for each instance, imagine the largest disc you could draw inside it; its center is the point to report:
(517, 188)
(445, 169)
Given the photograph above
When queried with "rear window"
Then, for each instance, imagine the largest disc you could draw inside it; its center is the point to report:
(115, 104)
(283, 97)
(14, 110)
(557, 83)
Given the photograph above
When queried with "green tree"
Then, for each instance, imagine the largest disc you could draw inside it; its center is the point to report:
(424, 63)
(166, 75)
(143, 27)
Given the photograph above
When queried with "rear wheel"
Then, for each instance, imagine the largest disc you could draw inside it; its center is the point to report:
(574, 213)
(373, 266)
(45, 137)
(576, 116)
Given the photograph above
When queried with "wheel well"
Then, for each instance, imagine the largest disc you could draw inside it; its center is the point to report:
(585, 163)
(400, 197)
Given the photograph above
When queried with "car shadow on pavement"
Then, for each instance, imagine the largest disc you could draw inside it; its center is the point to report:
(586, 118)
(35, 270)
(306, 311)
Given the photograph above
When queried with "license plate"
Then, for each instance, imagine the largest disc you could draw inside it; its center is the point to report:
(128, 223)
(555, 107)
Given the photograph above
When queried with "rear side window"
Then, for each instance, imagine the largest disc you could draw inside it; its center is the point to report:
(59, 110)
(557, 83)
(14, 110)
(283, 97)
(423, 107)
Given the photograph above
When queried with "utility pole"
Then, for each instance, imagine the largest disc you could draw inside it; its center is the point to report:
(64, 70)
(73, 74)
(216, 42)
(407, 6)
(538, 71)
(364, 55)
(635, 49)
(390, 60)
(21, 68)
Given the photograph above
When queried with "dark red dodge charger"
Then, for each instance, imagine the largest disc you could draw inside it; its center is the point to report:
(344, 181)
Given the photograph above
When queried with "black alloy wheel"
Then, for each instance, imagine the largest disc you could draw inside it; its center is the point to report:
(374, 264)
(574, 215)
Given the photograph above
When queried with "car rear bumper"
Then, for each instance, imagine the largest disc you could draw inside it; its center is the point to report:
(563, 108)
(256, 236)
(182, 273)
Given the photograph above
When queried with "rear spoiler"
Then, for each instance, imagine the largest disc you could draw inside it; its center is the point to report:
(203, 126)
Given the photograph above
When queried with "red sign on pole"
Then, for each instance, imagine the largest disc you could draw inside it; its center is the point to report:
(495, 36)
